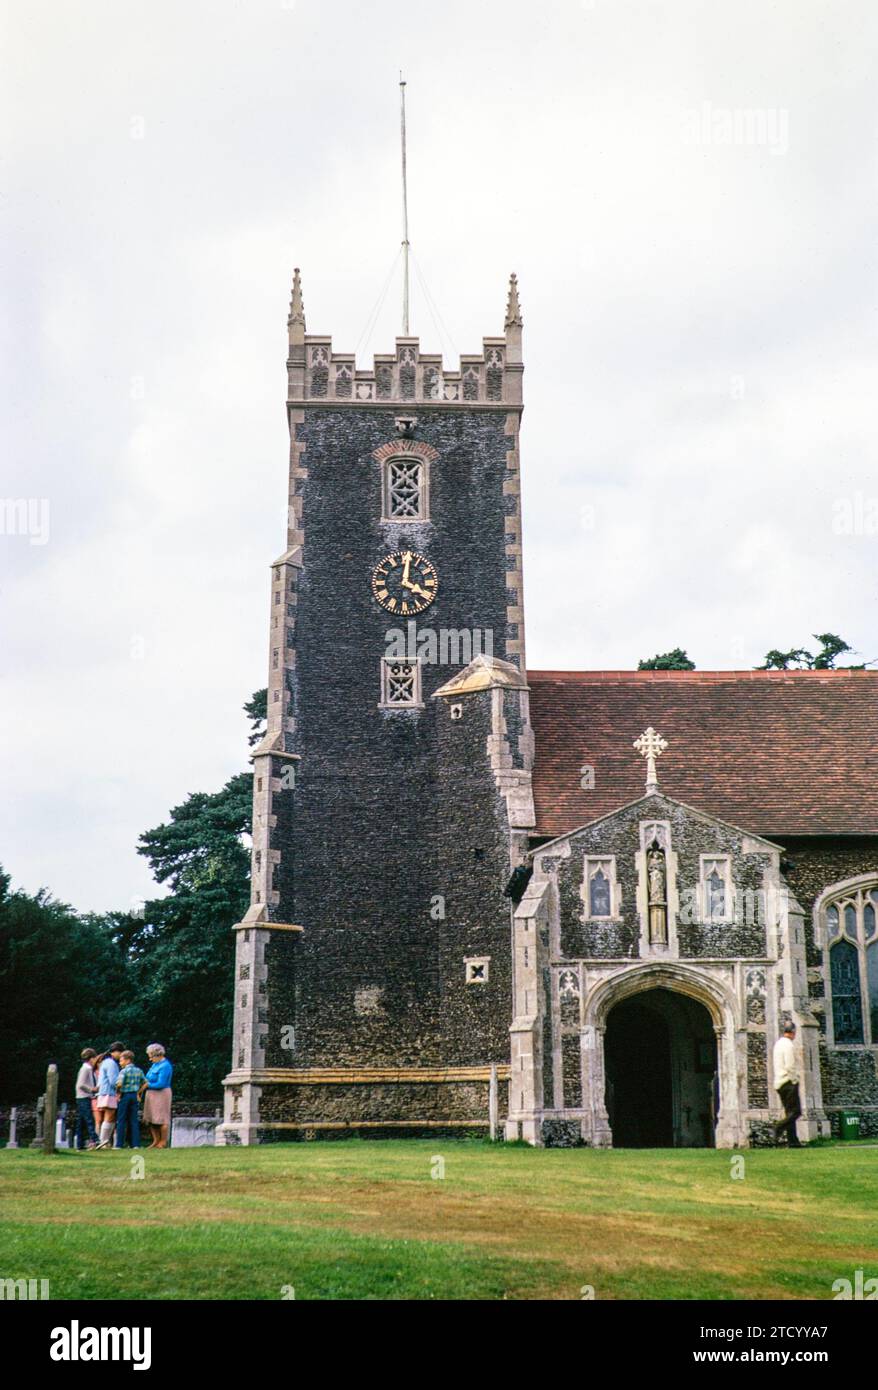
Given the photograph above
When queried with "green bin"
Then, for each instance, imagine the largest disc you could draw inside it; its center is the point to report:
(850, 1124)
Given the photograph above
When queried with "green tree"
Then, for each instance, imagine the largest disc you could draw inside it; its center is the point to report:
(830, 648)
(677, 660)
(182, 952)
(256, 710)
(64, 984)
(70, 980)
(796, 659)
(800, 659)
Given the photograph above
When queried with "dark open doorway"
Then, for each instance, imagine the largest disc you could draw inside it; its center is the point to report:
(660, 1062)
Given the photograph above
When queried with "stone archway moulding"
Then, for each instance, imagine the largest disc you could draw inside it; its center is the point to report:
(679, 979)
(660, 975)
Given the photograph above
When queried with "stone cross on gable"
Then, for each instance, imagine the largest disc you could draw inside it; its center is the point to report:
(650, 746)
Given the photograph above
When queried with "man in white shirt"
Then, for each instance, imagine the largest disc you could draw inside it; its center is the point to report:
(786, 1083)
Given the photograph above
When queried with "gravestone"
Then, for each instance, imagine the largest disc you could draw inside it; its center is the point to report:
(37, 1141)
(63, 1128)
(51, 1111)
(193, 1131)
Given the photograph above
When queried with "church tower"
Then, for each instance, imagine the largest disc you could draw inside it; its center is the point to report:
(392, 789)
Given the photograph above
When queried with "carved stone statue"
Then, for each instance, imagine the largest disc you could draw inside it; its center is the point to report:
(657, 878)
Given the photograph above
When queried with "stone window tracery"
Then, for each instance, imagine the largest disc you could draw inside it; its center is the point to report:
(471, 383)
(400, 683)
(850, 924)
(405, 489)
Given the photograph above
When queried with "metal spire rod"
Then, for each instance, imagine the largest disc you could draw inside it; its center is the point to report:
(405, 216)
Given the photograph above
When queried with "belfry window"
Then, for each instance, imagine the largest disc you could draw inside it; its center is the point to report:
(851, 926)
(400, 684)
(405, 489)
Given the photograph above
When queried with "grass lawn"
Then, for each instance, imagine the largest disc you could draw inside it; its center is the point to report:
(359, 1219)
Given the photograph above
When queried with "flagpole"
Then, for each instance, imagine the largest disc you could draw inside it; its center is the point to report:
(405, 216)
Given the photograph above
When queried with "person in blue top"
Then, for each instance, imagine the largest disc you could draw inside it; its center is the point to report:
(107, 1097)
(157, 1106)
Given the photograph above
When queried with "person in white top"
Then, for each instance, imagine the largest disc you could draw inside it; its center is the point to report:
(786, 1083)
(86, 1087)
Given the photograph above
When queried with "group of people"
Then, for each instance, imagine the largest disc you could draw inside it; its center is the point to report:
(109, 1088)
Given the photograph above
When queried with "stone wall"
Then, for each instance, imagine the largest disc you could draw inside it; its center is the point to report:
(691, 836)
(384, 825)
(739, 970)
(813, 864)
(388, 847)
(388, 1105)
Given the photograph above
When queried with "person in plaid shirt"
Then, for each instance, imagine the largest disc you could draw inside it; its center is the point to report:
(131, 1084)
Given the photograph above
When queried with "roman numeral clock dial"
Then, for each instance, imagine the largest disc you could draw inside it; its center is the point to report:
(405, 582)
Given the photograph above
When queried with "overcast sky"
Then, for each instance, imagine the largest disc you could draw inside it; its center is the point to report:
(687, 191)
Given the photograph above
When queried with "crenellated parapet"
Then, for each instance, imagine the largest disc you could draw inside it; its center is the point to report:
(317, 374)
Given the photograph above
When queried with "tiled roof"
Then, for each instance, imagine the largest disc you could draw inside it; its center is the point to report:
(775, 752)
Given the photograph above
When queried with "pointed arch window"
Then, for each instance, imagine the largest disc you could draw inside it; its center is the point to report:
(850, 923)
(600, 891)
(599, 894)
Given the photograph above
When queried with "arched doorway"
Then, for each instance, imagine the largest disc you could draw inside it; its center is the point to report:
(660, 1064)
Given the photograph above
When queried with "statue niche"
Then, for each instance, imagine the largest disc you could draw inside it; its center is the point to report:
(657, 881)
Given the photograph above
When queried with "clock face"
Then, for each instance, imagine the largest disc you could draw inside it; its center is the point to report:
(405, 583)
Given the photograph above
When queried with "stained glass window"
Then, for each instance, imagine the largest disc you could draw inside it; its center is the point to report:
(599, 895)
(852, 935)
(847, 1012)
(872, 978)
(598, 891)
